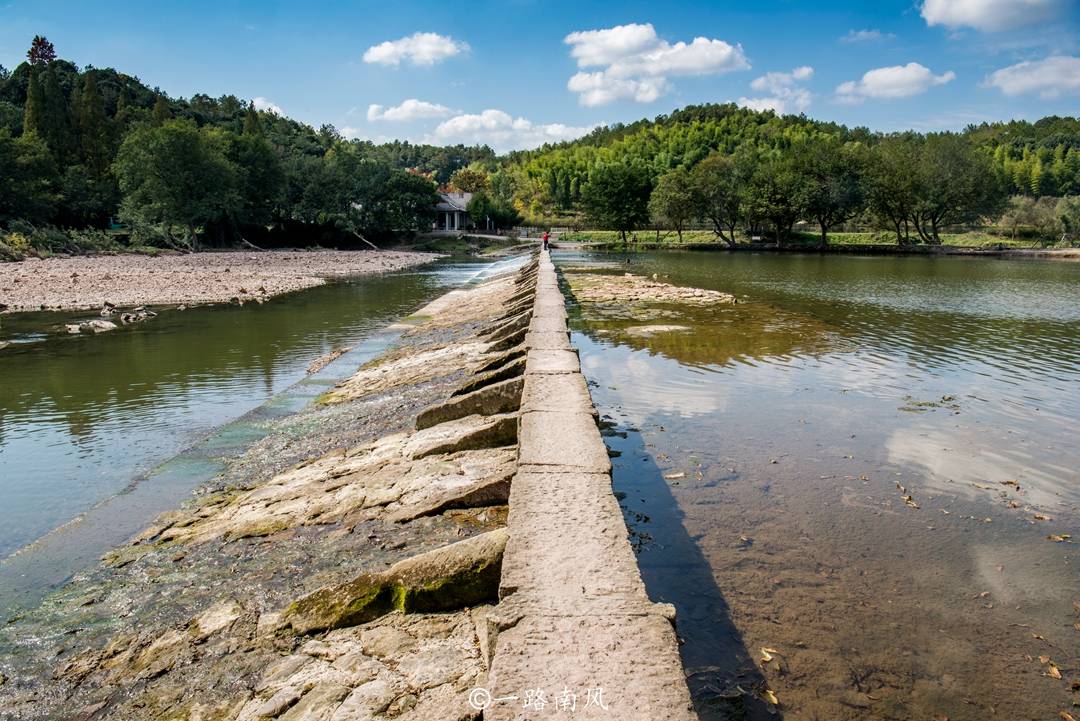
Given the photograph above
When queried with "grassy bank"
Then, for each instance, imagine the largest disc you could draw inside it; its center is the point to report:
(810, 241)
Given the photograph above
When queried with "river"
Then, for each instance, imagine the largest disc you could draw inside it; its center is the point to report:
(100, 433)
(859, 485)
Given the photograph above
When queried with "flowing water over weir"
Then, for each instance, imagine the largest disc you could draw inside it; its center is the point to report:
(857, 485)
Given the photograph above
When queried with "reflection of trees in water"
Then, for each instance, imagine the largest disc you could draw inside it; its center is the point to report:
(713, 336)
(84, 379)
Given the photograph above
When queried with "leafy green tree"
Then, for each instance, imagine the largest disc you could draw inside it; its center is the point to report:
(673, 202)
(617, 197)
(1068, 216)
(260, 177)
(11, 117)
(956, 185)
(161, 112)
(95, 137)
(777, 192)
(893, 187)
(717, 181)
(174, 175)
(835, 191)
(252, 126)
(27, 179)
(34, 110)
(469, 180)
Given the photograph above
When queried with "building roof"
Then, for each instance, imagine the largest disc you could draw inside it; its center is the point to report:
(453, 201)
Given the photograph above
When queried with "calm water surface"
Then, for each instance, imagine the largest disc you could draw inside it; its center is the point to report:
(861, 467)
(84, 418)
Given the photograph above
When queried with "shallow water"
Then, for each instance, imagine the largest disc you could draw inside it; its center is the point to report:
(765, 452)
(87, 420)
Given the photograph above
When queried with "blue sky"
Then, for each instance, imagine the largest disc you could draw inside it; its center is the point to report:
(515, 73)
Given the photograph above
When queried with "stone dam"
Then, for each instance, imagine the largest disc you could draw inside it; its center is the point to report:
(437, 538)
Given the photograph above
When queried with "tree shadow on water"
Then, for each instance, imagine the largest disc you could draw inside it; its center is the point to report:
(724, 679)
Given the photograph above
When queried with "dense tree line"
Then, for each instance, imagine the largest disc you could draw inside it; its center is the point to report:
(757, 174)
(94, 147)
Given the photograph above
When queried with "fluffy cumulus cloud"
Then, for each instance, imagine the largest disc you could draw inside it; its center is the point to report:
(417, 49)
(633, 62)
(990, 15)
(1050, 78)
(784, 94)
(502, 131)
(264, 104)
(897, 81)
(410, 110)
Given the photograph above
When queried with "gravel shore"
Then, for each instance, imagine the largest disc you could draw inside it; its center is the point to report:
(217, 277)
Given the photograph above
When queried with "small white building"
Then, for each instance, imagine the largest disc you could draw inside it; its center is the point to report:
(452, 211)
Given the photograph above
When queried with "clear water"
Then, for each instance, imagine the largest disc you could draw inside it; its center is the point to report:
(85, 418)
(765, 452)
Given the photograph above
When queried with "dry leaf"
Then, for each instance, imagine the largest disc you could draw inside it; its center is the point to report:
(1044, 659)
(1059, 537)
(767, 654)
(1037, 636)
(1053, 672)
(1014, 484)
(1066, 716)
(769, 696)
(1041, 517)
(1012, 504)
(1076, 606)
(673, 476)
(1076, 626)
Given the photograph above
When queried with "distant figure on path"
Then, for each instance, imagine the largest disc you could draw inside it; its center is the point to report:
(546, 236)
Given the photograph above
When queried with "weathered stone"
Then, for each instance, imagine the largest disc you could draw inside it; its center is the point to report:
(458, 575)
(469, 433)
(510, 369)
(555, 392)
(501, 397)
(552, 361)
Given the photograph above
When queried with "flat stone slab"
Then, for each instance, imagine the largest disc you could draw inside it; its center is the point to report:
(616, 667)
(556, 392)
(567, 441)
(552, 361)
(548, 340)
(569, 551)
(549, 324)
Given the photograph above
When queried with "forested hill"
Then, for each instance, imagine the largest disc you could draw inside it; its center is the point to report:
(1037, 159)
(81, 150)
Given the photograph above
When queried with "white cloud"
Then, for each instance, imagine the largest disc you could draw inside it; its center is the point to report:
(502, 131)
(785, 93)
(1050, 78)
(897, 81)
(418, 49)
(866, 36)
(264, 104)
(411, 109)
(352, 133)
(990, 15)
(635, 63)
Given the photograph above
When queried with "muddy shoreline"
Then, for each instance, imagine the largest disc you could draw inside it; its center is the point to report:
(89, 282)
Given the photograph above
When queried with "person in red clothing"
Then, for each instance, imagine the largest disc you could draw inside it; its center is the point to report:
(546, 236)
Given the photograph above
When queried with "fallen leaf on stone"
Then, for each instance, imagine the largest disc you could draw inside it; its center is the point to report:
(1044, 659)
(1066, 716)
(674, 476)
(1014, 484)
(1076, 626)
(1052, 671)
(1059, 537)
(1038, 637)
(769, 696)
(767, 654)
(1041, 517)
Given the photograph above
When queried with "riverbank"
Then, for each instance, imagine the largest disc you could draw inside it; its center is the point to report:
(127, 280)
(839, 244)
